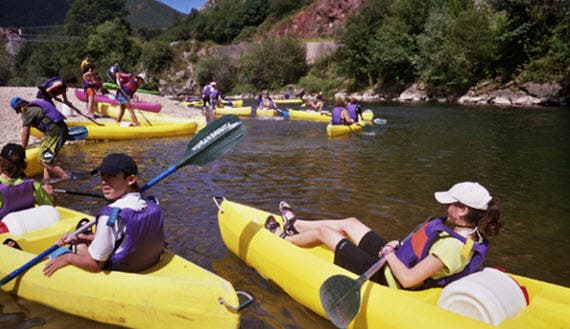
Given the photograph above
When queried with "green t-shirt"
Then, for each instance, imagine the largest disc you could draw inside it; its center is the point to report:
(447, 249)
(41, 197)
(33, 116)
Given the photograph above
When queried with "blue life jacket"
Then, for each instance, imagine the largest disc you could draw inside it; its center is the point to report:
(50, 112)
(336, 118)
(16, 197)
(417, 247)
(143, 241)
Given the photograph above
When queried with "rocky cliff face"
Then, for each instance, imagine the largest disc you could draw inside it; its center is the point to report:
(321, 18)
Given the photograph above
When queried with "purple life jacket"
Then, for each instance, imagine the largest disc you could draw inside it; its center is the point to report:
(207, 90)
(417, 247)
(336, 118)
(16, 197)
(143, 241)
(50, 112)
(49, 82)
(351, 109)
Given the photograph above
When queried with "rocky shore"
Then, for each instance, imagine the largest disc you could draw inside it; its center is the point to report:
(11, 123)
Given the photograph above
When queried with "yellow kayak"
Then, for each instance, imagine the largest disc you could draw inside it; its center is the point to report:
(288, 101)
(341, 130)
(116, 131)
(244, 111)
(199, 103)
(310, 115)
(33, 167)
(266, 113)
(175, 293)
(300, 272)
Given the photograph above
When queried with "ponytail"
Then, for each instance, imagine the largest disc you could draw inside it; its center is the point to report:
(492, 224)
(489, 217)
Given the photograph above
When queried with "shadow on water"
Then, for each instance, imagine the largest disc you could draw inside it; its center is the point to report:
(386, 179)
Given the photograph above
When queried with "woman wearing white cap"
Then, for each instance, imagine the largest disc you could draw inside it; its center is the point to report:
(441, 250)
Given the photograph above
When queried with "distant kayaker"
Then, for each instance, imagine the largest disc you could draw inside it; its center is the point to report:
(130, 231)
(340, 113)
(266, 103)
(208, 101)
(18, 193)
(45, 117)
(126, 88)
(353, 109)
(440, 251)
(316, 105)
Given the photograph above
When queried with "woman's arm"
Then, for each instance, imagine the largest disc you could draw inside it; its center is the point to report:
(410, 277)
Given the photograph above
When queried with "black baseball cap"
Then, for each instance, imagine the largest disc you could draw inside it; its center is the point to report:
(114, 163)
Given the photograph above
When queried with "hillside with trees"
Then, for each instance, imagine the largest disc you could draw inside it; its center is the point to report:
(449, 46)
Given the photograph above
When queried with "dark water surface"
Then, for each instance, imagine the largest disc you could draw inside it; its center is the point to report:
(386, 179)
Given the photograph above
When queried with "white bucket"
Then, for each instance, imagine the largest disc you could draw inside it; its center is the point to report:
(490, 296)
(32, 219)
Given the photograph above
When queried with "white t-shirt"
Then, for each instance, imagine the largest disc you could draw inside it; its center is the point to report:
(106, 236)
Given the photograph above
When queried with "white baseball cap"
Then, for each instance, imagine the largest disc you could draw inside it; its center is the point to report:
(468, 193)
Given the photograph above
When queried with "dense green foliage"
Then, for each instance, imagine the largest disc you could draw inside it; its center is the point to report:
(452, 44)
(220, 23)
(274, 63)
(449, 45)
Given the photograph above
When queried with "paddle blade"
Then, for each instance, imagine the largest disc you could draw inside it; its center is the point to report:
(380, 121)
(340, 298)
(77, 133)
(214, 140)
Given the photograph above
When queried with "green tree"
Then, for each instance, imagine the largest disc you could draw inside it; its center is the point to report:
(217, 68)
(274, 63)
(156, 55)
(111, 42)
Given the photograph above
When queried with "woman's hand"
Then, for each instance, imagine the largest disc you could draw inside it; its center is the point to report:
(389, 247)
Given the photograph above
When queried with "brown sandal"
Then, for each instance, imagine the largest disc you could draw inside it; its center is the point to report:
(271, 224)
(289, 219)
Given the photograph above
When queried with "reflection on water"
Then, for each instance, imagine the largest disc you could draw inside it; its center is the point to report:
(387, 179)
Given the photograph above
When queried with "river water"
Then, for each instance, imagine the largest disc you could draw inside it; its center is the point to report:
(386, 178)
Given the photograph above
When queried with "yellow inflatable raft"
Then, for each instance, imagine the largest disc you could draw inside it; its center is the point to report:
(300, 272)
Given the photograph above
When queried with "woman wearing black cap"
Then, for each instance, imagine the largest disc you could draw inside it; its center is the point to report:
(130, 233)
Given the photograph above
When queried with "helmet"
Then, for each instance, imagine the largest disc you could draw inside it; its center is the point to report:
(213, 83)
(15, 102)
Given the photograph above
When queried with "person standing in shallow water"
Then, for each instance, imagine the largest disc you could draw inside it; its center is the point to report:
(438, 252)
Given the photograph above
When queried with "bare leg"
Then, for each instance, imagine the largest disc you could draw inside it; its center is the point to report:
(133, 115)
(121, 113)
(90, 106)
(55, 169)
(328, 231)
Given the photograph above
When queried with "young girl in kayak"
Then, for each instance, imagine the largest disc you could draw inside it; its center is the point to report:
(434, 254)
(130, 233)
(18, 194)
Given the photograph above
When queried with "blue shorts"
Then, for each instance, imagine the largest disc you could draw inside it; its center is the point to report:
(121, 98)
